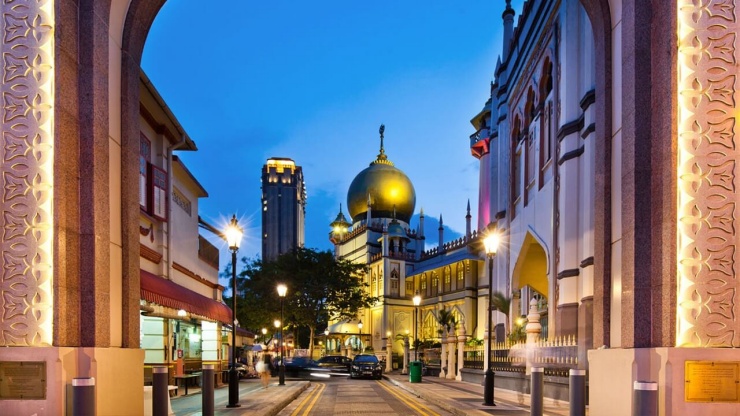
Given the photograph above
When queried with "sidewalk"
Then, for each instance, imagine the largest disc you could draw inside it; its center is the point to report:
(254, 400)
(462, 398)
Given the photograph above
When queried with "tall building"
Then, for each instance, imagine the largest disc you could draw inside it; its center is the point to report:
(283, 207)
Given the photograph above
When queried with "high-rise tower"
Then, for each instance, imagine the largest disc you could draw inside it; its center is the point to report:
(283, 207)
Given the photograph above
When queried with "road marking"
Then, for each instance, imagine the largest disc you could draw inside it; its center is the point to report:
(423, 410)
(312, 396)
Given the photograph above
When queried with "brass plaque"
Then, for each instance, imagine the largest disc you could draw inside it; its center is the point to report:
(22, 380)
(712, 381)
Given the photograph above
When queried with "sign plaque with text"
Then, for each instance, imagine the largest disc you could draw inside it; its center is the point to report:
(25, 380)
(712, 381)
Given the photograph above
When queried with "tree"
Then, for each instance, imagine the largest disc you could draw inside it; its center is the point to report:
(502, 303)
(446, 319)
(320, 289)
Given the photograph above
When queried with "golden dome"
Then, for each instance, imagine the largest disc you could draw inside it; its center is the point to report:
(387, 188)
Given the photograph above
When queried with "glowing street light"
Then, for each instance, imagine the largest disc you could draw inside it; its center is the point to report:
(233, 238)
(417, 302)
(490, 243)
(282, 291)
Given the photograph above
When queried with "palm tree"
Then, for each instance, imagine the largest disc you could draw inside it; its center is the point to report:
(502, 303)
(446, 319)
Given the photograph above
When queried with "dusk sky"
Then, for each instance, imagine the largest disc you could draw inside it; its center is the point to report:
(313, 81)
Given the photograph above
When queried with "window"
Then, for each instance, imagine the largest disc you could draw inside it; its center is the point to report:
(409, 287)
(531, 165)
(424, 283)
(153, 183)
(158, 193)
(145, 156)
(448, 278)
(435, 283)
(460, 275)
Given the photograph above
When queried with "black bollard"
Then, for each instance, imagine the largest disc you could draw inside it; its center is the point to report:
(577, 392)
(83, 396)
(160, 393)
(538, 389)
(207, 391)
(645, 398)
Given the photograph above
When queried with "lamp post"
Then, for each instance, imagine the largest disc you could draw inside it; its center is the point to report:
(233, 238)
(282, 290)
(326, 341)
(491, 245)
(359, 325)
(417, 302)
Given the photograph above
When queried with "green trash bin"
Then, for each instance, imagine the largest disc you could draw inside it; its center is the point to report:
(415, 371)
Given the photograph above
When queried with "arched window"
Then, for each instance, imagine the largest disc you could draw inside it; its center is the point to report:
(424, 284)
(447, 278)
(435, 283)
(547, 123)
(530, 165)
(516, 164)
(460, 275)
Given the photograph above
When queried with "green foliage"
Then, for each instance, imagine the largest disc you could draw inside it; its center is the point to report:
(501, 303)
(320, 288)
(446, 319)
(474, 342)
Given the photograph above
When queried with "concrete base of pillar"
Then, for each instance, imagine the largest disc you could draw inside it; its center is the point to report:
(613, 371)
(118, 373)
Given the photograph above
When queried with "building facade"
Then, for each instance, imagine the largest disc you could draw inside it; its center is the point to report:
(664, 197)
(283, 207)
(381, 201)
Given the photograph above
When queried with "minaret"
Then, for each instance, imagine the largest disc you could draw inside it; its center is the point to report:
(467, 223)
(421, 224)
(508, 17)
(339, 227)
(441, 229)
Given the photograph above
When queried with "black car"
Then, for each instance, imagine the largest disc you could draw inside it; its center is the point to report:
(366, 365)
(335, 363)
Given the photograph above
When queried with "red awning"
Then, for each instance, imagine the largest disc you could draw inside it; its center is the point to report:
(164, 292)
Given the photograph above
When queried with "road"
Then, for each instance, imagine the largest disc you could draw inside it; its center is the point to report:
(343, 396)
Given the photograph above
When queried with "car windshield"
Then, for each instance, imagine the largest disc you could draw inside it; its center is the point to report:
(366, 359)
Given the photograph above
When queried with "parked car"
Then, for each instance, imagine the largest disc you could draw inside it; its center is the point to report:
(241, 370)
(335, 363)
(366, 365)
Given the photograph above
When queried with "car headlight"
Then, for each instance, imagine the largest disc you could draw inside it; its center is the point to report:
(354, 367)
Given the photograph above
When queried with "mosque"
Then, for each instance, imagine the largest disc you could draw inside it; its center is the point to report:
(381, 201)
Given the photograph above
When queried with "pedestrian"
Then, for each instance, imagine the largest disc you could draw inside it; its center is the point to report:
(263, 369)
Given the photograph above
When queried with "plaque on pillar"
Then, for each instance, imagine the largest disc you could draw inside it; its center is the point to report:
(23, 380)
(712, 381)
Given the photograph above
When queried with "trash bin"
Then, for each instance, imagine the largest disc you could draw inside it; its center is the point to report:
(415, 371)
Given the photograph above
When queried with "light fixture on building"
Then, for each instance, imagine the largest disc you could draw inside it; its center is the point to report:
(181, 313)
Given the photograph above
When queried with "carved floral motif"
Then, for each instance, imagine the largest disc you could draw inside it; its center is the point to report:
(707, 179)
(26, 172)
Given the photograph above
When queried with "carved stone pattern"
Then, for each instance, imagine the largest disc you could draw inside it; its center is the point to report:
(708, 287)
(26, 298)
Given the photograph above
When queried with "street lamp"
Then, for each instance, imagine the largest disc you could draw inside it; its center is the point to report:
(491, 245)
(233, 238)
(359, 325)
(417, 302)
(282, 290)
(326, 341)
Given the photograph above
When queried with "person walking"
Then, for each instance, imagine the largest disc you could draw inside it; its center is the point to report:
(263, 369)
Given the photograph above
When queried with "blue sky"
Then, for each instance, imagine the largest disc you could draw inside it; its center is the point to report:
(313, 81)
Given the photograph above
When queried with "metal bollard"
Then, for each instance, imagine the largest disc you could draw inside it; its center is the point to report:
(645, 398)
(83, 396)
(538, 389)
(207, 391)
(577, 392)
(160, 394)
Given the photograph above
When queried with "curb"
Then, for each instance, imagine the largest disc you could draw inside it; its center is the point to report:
(287, 399)
(430, 397)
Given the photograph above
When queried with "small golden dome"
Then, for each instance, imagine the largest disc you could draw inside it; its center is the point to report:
(386, 187)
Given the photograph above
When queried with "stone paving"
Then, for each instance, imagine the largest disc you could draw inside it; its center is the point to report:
(458, 398)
